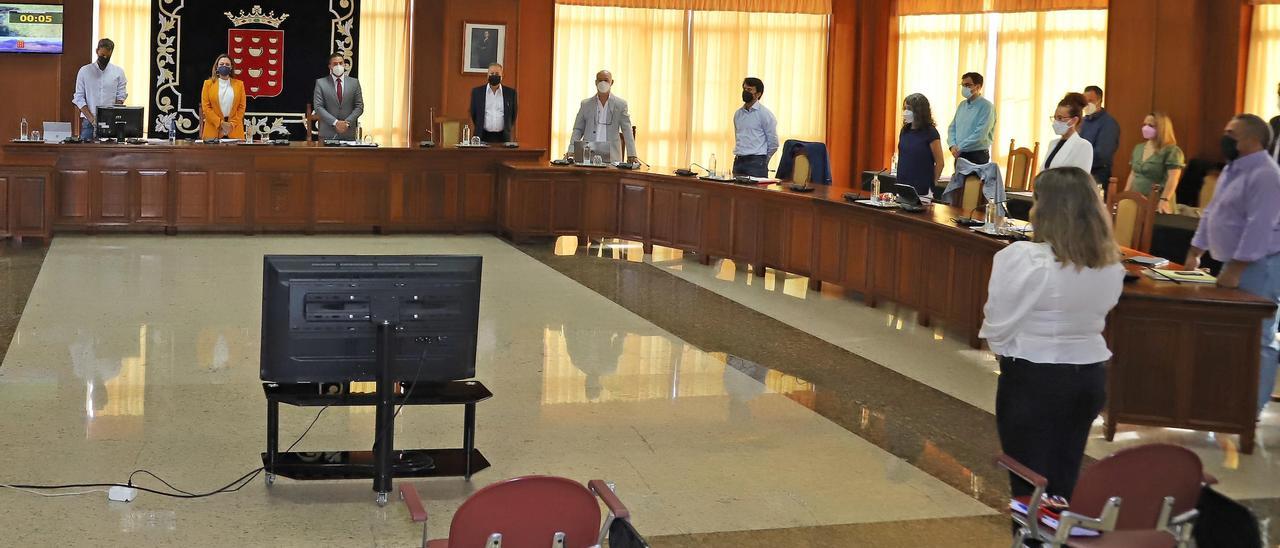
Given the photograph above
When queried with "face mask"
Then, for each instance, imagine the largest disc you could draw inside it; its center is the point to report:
(908, 117)
(102, 61)
(1148, 133)
(966, 92)
(337, 70)
(747, 96)
(1230, 148)
(1060, 127)
(1090, 109)
(1278, 102)
(224, 71)
(495, 79)
(603, 87)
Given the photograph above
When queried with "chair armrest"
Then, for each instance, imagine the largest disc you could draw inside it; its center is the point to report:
(1028, 475)
(1208, 479)
(1103, 523)
(611, 500)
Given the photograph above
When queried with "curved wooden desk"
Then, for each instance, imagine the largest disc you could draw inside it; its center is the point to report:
(1185, 355)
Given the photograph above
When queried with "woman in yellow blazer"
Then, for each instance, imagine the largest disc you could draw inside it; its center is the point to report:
(222, 102)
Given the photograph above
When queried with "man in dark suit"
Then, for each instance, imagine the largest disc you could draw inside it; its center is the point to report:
(1274, 148)
(493, 108)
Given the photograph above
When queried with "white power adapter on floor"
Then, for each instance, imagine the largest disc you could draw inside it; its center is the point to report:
(122, 494)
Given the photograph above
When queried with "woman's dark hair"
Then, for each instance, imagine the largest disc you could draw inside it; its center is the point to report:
(1075, 103)
(922, 117)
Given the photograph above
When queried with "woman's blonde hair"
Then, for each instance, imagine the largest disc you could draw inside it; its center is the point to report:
(213, 73)
(1070, 216)
(1164, 130)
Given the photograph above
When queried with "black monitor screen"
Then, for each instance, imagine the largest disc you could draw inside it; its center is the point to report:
(319, 316)
(119, 122)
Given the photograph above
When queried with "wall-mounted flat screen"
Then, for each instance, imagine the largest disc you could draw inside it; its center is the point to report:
(30, 28)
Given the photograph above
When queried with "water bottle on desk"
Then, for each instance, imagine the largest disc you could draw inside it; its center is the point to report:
(22, 130)
(875, 188)
(711, 165)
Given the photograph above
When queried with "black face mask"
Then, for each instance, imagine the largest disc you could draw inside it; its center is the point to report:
(1230, 148)
(747, 96)
(495, 79)
(102, 61)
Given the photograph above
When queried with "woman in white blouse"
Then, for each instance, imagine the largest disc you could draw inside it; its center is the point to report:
(222, 102)
(1069, 149)
(1047, 304)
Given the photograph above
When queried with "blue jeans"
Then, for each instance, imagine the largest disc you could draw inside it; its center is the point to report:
(86, 130)
(1262, 278)
(755, 166)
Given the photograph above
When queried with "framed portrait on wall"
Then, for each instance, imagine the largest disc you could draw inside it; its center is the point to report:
(482, 45)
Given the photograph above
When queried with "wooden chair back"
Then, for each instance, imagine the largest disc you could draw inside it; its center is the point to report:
(1021, 171)
(1134, 215)
(1207, 189)
(971, 195)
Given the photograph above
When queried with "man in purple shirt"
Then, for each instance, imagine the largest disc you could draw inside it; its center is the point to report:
(1241, 228)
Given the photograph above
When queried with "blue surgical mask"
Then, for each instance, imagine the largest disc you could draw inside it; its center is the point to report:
(224, 71)
(966, 92)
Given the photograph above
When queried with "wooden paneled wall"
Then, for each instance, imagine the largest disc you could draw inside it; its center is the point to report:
(40, 85)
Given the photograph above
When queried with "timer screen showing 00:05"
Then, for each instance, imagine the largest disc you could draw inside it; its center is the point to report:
(35, 18)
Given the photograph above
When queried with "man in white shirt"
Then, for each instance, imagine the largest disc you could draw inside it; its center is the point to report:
(98, 84)
(755, 132)
(493, 108)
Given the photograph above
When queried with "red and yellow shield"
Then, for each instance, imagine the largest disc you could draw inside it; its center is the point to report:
(259, 58)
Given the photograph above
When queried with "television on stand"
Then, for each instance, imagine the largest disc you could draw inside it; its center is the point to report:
(320, 317)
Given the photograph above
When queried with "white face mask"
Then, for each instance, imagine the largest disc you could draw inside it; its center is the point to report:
(603, 87)
(1090, 109)
(908, 117)
(1060, 127)
(337, 70)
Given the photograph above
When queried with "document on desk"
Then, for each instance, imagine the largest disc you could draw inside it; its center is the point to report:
(1022, 193)
(766, 180)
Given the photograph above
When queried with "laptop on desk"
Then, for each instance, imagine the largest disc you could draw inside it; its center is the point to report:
(57, 132)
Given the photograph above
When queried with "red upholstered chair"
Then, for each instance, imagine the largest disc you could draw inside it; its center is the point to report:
(1137, 497)
(533, 511)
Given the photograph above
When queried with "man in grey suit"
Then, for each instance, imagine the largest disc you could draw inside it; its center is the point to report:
(604, 121)
(338, 102)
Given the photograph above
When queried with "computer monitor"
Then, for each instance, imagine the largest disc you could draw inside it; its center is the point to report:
(119, 122)
(320, 315)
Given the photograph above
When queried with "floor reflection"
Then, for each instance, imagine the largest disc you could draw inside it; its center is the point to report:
(584, 365)
(115, 388)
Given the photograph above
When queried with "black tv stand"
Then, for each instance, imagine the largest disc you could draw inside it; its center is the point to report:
(383, 463)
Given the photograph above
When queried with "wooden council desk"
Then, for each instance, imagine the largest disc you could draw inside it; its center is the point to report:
(209, 188)
(1186, 355)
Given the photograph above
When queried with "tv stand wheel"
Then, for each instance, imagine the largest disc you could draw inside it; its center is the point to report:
(270, 479)
(381, 499)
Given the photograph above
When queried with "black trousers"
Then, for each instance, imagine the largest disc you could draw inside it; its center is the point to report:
(977, 156)
(1043, 416)
(492, 136)
(755, 166)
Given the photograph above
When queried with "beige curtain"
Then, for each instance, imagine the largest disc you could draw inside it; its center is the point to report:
(822, 7)
(935, 7)
(645, 50)
(1264, 62)
(128, 24)
(682, 92)
(933, 51)
(788, 52)
(1040, 57)
(383, 63)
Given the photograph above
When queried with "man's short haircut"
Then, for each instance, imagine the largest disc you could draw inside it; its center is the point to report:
(491, 65)
(337, 55)
(973, 77)
(755, 83)
(1095, 89)
(1255, 127)
(107, 44)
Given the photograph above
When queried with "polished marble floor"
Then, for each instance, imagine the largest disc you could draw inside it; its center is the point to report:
(142, 353)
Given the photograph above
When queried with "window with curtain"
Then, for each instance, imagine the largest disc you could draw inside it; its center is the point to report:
(1029, 60)
(128, 24)
(1264, 62)
(383, 61)
(681, 73)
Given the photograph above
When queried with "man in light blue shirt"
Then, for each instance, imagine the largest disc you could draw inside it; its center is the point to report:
(98, 84)
(973, 128)
(755, 132)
